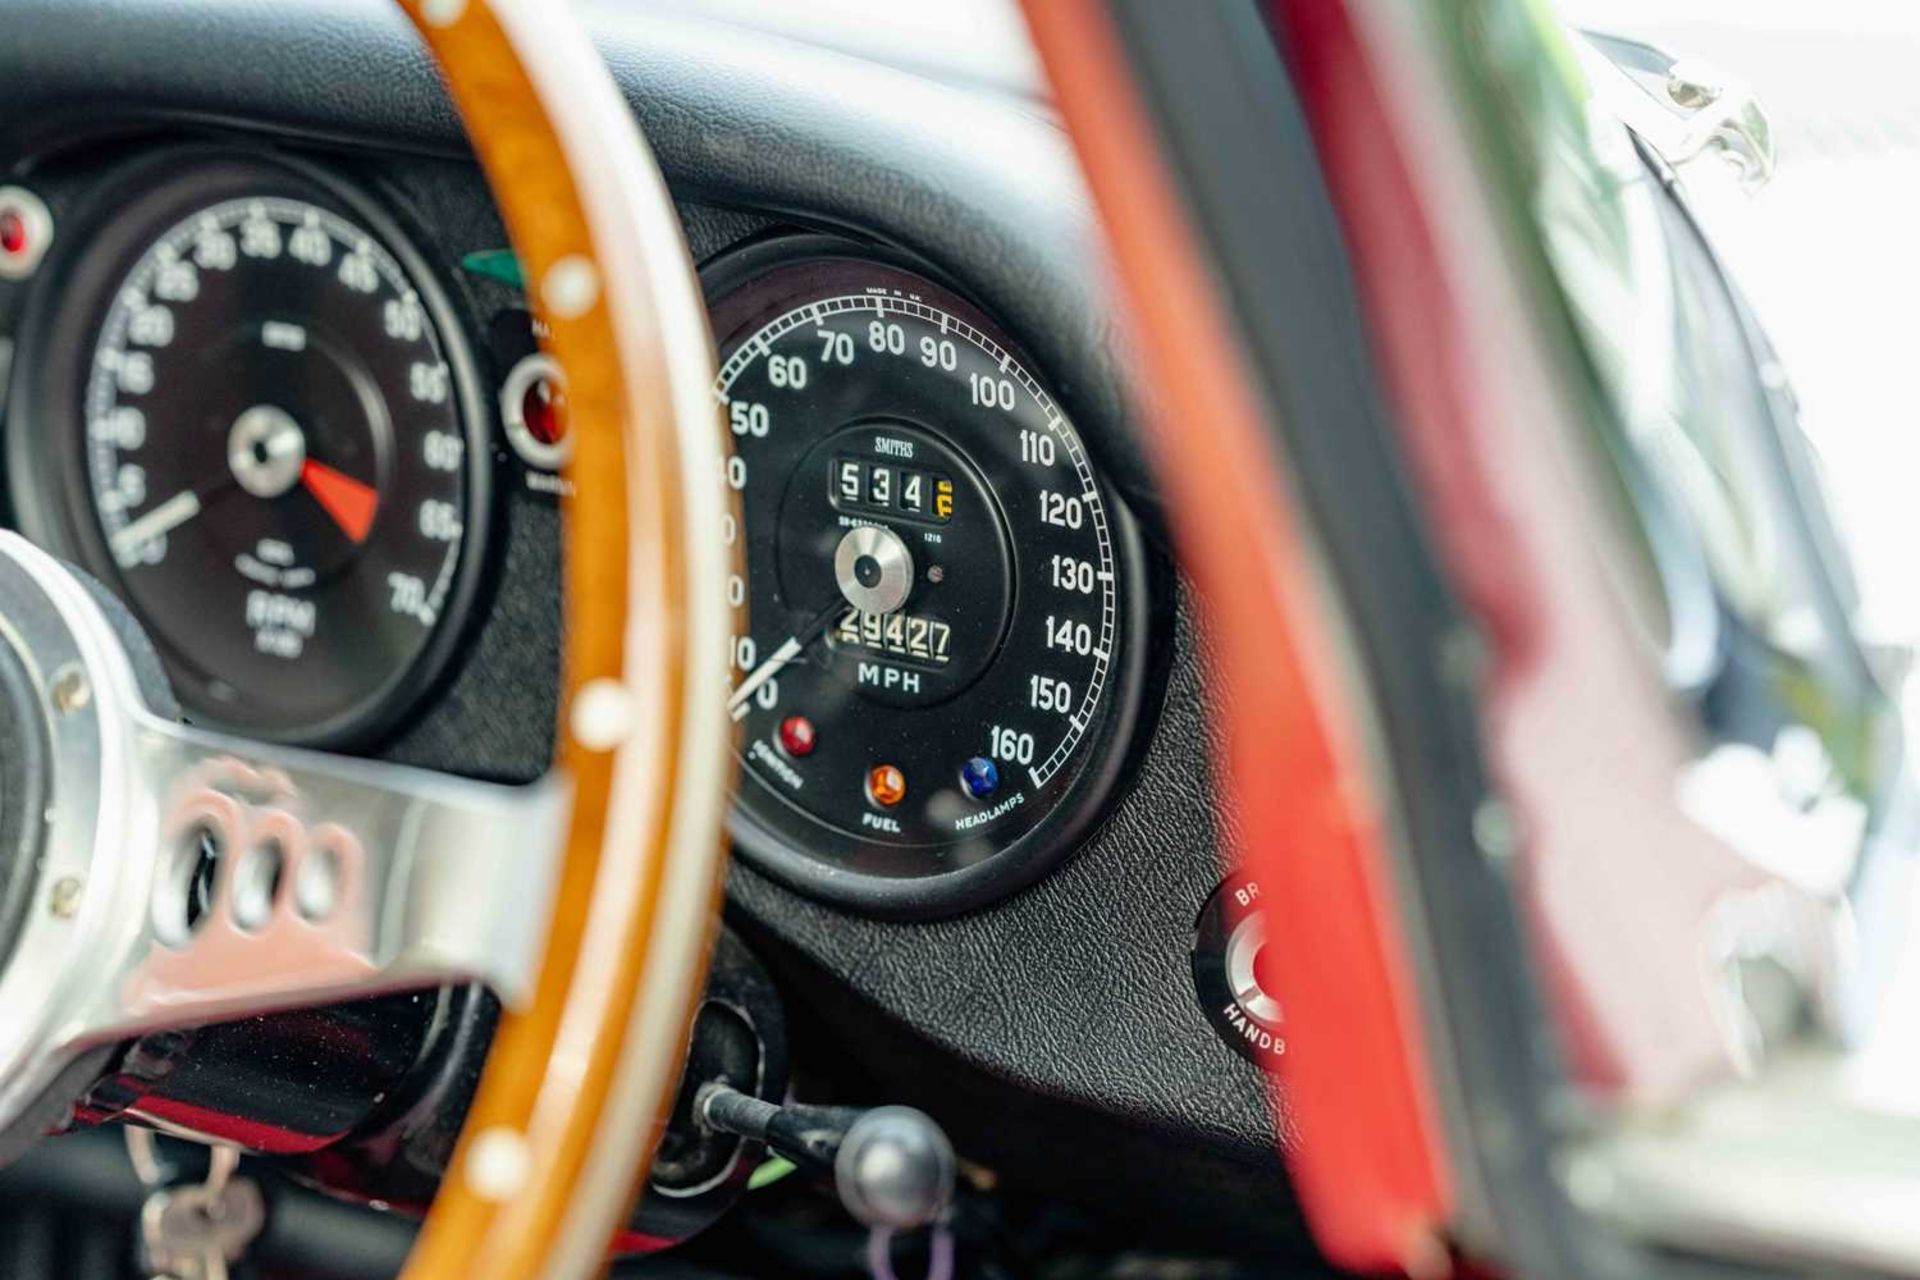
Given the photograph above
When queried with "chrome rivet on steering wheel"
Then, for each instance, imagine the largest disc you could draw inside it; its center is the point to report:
(571, 288)
(70, 690)
(602, 715)
(497, 1164)
(64, 900)
(442, 13)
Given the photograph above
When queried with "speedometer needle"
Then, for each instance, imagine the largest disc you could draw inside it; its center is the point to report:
(779, 658)
(169, 515)
(352, 503)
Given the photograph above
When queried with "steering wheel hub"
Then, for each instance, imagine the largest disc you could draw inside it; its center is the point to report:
(66, 682)
(23, 789)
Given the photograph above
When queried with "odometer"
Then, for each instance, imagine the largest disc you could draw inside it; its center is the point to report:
(273, 453)
(937, 606)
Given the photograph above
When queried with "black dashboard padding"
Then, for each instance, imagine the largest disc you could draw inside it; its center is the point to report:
(984, 186)
(1078, 987)
(1165, 1194)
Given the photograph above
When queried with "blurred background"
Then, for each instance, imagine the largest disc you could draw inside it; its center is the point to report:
(1829, 251)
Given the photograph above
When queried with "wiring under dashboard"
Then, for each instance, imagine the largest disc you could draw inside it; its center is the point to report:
(940, 1254)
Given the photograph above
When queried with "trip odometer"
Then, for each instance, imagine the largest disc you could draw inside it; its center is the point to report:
(257, 415)
(936, 648)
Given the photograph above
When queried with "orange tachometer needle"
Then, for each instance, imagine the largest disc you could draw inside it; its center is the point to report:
(350, 502)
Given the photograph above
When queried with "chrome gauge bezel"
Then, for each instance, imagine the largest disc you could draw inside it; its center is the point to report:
(753, 285)
(48, 478)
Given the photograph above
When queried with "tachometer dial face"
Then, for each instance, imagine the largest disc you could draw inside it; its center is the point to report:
(276, 464)
(933, 639)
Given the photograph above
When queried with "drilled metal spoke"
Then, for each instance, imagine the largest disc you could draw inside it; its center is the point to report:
(283, 878)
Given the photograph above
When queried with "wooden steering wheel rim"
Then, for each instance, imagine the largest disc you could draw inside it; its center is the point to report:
(572, 1099)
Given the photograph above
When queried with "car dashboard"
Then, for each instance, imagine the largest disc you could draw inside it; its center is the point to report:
(271, 376)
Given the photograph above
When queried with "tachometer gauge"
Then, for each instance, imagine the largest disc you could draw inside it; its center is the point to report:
(937, 646)
(258, 415)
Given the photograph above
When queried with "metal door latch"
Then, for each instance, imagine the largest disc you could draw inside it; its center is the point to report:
(1685, 108)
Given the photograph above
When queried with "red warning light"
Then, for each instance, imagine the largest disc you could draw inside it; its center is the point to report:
(543, 408)
(797, 736)
(26, 229)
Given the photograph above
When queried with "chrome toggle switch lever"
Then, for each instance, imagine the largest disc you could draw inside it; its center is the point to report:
(892, 1167)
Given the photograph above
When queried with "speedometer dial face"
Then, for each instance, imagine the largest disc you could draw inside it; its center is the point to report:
(937, 606)
(275, 465)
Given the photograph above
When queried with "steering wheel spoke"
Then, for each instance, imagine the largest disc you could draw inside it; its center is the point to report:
(192, 877)
(282, 878)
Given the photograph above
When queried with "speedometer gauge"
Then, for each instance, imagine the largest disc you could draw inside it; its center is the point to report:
(937, 639)
(267, 445)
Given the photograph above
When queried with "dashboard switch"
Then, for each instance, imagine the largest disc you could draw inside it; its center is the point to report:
(1229, 967)
(981, 777)
(26, 230)
(797, 737)
(533, 409)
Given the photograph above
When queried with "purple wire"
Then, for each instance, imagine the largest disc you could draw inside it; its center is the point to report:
(880, 1254)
